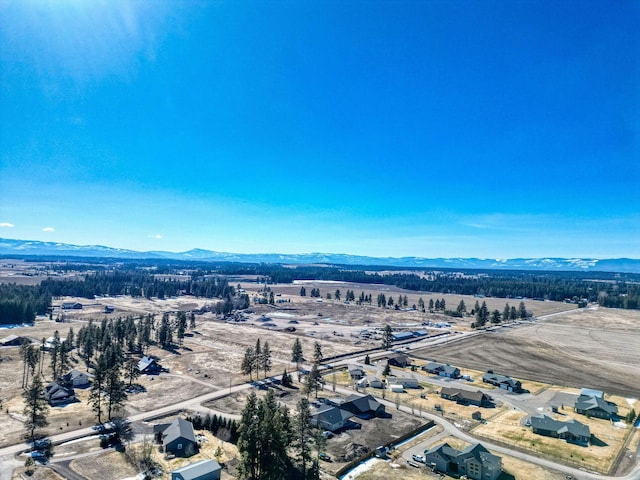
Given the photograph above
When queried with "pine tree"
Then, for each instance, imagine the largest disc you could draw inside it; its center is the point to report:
(296, 353)
(266, 359)
(248, 361)
(387, 337)
(302, 433)
(506, 313)
(35, 408)
(317, 352)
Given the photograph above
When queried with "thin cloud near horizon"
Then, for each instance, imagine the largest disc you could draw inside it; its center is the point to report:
(48, 229)
(6, 225)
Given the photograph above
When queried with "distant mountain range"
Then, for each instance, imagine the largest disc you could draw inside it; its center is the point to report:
(37, 248)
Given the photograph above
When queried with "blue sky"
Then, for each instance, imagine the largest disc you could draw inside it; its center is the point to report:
(432, 128)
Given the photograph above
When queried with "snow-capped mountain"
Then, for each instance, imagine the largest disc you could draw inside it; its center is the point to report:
(37, 248)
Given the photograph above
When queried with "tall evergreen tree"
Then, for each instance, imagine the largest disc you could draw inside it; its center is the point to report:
(35, 407)
(296, 353)
(387, 337)
(317, 352)
(302, 434)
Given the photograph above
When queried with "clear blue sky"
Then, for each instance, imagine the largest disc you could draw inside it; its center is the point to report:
(428, 128)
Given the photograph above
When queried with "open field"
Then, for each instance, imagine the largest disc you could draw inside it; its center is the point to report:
(594, 348)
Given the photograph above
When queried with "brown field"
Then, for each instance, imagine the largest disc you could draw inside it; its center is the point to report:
(594, 348)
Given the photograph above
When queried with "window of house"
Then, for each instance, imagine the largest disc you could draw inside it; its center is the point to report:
(179, 446)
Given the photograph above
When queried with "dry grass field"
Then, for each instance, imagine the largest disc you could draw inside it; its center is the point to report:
(598, 455)
(594, 348)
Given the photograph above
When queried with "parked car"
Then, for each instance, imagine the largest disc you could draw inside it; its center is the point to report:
(324, 456)
(327, 434)
(418, 458)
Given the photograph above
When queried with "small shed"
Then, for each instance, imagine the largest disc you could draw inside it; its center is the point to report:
(477, 415)
(397, 388)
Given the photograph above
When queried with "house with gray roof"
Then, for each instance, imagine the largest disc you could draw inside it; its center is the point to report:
(57, 394)
(149, 366)
(571, 431)
(475, 461)
(13, 341)
(363, 406)
(177, 437)
(330, 418)
(370, 381)
(401, 361)
(595, 406)
(202, 470)
(77, 379)
(442, 370)
(356, 372)
(466, 397)
(502, 381)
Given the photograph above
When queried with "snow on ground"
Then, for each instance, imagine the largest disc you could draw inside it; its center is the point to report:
(361, 468)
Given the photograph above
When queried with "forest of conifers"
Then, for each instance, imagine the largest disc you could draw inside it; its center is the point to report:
(20, 304)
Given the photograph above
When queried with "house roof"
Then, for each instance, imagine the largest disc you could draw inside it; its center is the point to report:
(400, 358)
(587, 403)
(435, 366)
(198, 469)
(73, 374)
(332, 415)
(592, 393)
(145, 362)
(179, 428)
(55, 391)
(476, 451)
(477, 396)
(362, 403)
(402, 380)
(572, 427)
(402, 335)
(494, 377)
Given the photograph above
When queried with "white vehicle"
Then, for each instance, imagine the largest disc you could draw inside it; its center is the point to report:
(418, 458)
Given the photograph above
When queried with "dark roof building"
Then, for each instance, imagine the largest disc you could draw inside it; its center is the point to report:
(178, 438)
(593, 406)
(572, 431)
(330, 418)
(396, 336)
(475, 461)
(356, 372)
(202, 470)
(502, 381)
(72, 306)
(57, 394)
(442, 370)
(13, 341)
(149, 366)
(399, 361)
(363, 406)
(76, 378)
(466, 397)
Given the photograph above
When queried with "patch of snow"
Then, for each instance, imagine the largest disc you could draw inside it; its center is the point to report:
(360, 469)
(282, 315)
(632, 401)
(620, 424)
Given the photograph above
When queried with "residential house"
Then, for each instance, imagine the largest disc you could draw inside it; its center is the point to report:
(149, 366)
(330, 418)
(475, 461)
(77, 379)
(13, 341)
(596, 406)
(356, 372)
(177, 437)
(406, 382)
(396, 388)
(502, 381)
(401, 361)
(363, 406)
(202, 470)
(572, 431)
(369, 381)
(466, 397)
(57, 394)
(72, 306)
(442, 370)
